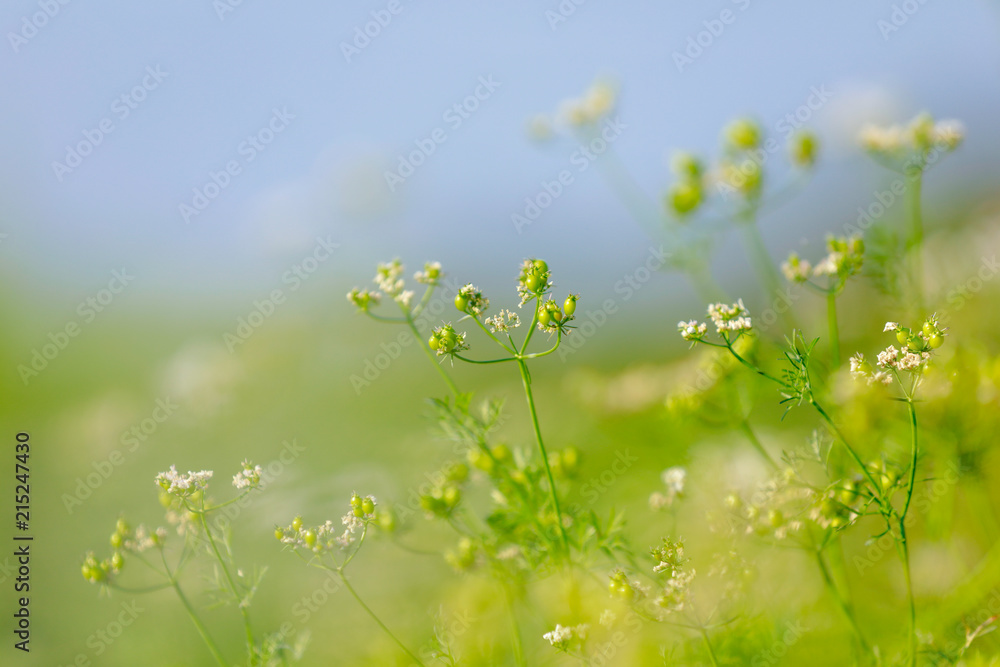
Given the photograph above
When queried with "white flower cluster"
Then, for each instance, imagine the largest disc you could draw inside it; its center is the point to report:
(139, 540)
(902, 360)
(674, 479)
(503, 321)
(921, 133)
(692, 330)
(862, 370)
(248, 477)
(844, 258)
(180, 485)
(795, 269)
(730, 318)
(563, 635)
(430, 275)
(477, 303)
(387, 277)
(675, 593)
(362, 298)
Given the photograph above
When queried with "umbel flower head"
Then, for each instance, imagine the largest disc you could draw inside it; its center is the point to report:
(844, 259)
(183, 486)
(578, 113)
(327, 537)
(912, 355)
(919, 136)
(735, 317)
(673, 479)
(248, 477)
(565, 637)
(470, 300)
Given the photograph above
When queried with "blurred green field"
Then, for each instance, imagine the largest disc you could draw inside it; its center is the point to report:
(290, 383)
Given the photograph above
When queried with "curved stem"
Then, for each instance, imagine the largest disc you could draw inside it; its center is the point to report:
(916, 240)
(831, 316)
(515, 633)
(209, 642)
(430, 355)
(374, 616)
(756, 370)
(708, 646)
(760, 259)
(232, 586)
(847, 445)
(845, 607)
(526, 380)
(487, 361)
(904, 546)
(752, 437)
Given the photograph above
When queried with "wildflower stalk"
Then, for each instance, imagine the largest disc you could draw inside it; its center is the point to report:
(904, 546)
(515, 633)
(202, 631)
(831, 316)
(526, 380)
(374, 616)
(916, 177)
(708, 646)
(842, 603)
(767, 275)
(229, 581)
(430, 356)
(755, 441)
(647, 215)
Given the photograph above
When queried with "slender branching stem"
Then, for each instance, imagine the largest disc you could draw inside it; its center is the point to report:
(515, 633)
(374, 616)
(755, 441)
(202, 631)
(916, 241)
(831, 316)
(708, 646)
(526, 380)
(842, 603)
(232, 584)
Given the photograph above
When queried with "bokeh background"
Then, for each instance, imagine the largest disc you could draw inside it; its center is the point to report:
(223, 70)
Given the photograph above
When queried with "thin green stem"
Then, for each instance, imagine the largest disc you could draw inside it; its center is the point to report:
(904, 556)
(232, 585)
(755, 441)
(526, 380)
(904, 546)
(374, 616)
(515, 633)
(831, 316)
(845, 607)
(847, 445)
(756, 370)
(760, 259)
(916, 241)
(209, 642)
(430, 355)
(708, 646)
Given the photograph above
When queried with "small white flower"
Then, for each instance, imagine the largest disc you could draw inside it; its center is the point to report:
(560, 636)
(180, 485)
(692, 330)
(248, 477)
(404, 298)
(891, 326)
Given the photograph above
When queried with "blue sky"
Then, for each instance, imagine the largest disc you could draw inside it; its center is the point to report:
(222, 76)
